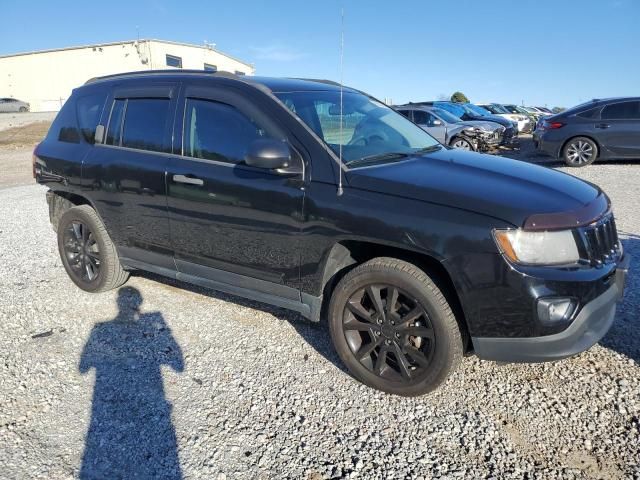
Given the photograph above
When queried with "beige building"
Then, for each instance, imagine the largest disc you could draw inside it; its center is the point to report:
(45, 79)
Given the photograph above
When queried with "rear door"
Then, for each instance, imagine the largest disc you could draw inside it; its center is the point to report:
(232, 223)
(619, 128)
(126, 172)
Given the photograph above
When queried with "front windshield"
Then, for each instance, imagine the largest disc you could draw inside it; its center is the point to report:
(476, 110)
(371, 131)
(500, 108)
(446, 116)
(453, 108)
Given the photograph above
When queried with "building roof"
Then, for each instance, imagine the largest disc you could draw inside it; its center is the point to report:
(109, 44)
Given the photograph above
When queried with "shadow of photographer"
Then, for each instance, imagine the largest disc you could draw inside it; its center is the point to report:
(131, 434)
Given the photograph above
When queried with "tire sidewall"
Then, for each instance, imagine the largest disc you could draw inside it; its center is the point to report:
(78, 214)
(578, 139)
(443, 355)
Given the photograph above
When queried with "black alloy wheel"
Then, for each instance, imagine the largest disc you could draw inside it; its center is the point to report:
(82, 251)
(87, 252)
(393, 328)
(389, 332)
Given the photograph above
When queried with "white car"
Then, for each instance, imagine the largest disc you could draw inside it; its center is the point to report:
(523, 122)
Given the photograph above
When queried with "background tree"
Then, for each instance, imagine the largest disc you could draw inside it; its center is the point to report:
(459, 97)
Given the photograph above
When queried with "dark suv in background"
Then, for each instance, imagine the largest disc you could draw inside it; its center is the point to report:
(323, 200)
(600, 129)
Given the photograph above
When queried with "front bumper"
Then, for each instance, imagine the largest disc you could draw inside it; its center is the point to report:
(590, 325)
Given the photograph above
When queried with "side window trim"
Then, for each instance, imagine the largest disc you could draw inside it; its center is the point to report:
(120, 127)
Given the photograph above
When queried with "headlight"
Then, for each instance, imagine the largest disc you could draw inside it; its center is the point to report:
(537, 248)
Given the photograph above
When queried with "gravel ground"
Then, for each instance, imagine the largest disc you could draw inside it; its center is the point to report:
(164, 380)
(9, 120)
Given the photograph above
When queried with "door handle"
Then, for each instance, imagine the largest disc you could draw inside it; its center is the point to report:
(603, 125)
(188, 180)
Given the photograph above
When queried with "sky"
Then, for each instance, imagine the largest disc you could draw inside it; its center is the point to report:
(544, 52)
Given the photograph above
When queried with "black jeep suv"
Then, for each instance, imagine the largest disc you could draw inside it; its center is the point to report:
(327, 202)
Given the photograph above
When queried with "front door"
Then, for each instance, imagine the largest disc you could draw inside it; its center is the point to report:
(232, 223)
(428, 122)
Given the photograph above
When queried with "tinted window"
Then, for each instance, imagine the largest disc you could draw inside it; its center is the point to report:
(591, 113)
(65, 126)
(622, 111)
(405, 113)
(144, 123)
(216, 131)
(114, 130)
(89, 109)
(423, 118)
(173, 61)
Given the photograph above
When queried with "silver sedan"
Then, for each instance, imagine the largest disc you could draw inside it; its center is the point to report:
(13, 105)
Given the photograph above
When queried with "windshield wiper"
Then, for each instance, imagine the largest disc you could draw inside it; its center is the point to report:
(432, 148)
(380, 157)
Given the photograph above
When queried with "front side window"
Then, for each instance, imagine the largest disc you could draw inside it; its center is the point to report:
(622, 111)
(362, 129)
(173, 61)
(217, 131)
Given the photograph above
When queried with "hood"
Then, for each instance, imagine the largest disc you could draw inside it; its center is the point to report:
(488, 126)
(499, 187)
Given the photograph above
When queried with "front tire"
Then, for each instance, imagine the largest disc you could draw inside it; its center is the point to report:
(393, 328)
(88, 254)
(580, 152)
(22, 109)
(461, 144)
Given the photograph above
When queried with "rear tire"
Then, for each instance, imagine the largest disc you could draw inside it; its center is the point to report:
(580, 152)
(393, 328)
(87, 252)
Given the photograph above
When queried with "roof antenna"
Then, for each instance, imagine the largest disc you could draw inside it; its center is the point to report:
(340, 190)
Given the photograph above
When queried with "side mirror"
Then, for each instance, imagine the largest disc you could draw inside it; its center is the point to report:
(437, 123)
(270, 154)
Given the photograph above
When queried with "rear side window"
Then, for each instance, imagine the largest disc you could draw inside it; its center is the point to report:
(144, 123)
(138, 123)
(89, 109)
(591, 113)
(216, 131)
(622, 111)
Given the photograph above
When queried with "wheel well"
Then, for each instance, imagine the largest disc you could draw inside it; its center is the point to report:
(61, 202)
(346, 255)
(598, 148)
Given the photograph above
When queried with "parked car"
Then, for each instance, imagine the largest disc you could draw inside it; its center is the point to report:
(450, 130)
(8, 104)
(520, 110)
(325, 201)
(537, 111)
(522, 121)
(545, 110)
(468, 111)
(601, 129)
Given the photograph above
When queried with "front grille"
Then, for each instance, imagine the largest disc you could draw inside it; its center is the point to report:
(600, 242)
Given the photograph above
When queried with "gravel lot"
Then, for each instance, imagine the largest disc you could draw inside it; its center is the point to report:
(197, 384)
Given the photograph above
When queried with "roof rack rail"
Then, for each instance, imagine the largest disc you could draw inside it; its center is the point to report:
(163, 72)
(318, 80)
